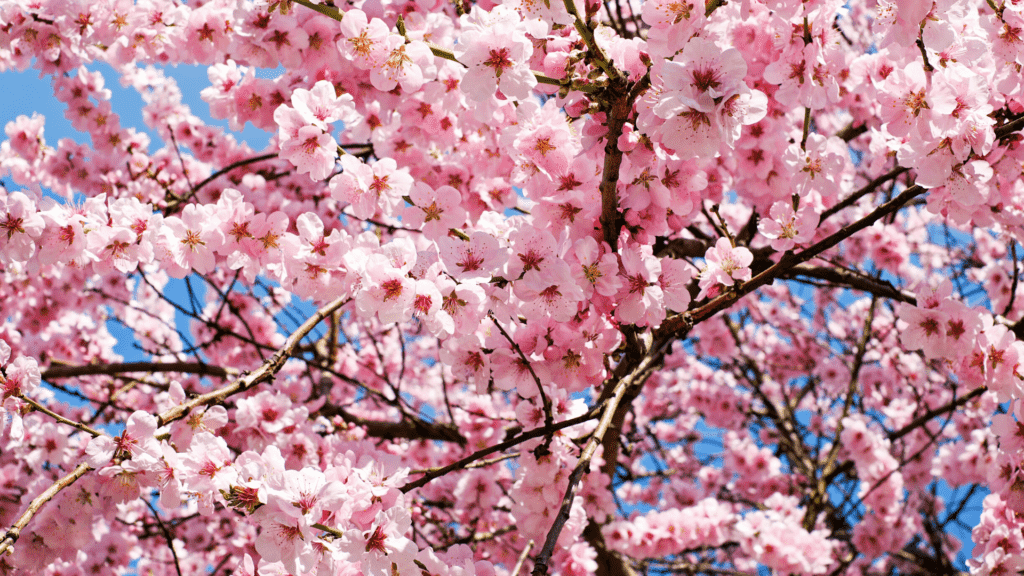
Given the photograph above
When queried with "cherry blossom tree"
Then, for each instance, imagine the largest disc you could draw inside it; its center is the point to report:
(559, 287)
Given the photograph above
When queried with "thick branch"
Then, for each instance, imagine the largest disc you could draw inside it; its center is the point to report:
(61, 371)
(610, 218)
(413, 429)
(841, 277)
(863, 191)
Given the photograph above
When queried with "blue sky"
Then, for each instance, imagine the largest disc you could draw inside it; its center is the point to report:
(25, 93)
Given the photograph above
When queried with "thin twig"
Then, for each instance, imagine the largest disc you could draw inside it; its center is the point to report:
(1013, 284)
(68, 371)
(264, 373)
(11, 536)
(522, 559)
(77, 425)
(195, 189)
(181, 160)
(548, 418)
(435, 473)
(166, 532)
(609, 409)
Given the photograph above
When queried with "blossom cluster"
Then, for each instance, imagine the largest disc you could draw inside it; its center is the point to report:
(560, 257)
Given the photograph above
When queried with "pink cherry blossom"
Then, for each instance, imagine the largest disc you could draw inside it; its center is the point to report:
(434, 210)
(495, 49)
(643, 302)
(786, 228)
(724, 264)
(20, 225)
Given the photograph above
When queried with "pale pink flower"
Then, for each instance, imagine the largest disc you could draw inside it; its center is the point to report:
(900, 21)
(468, 361)
(550, 291)
(905, 101)
(699, 101)
(306, 492)
(434, 211)
(818, 165)
(20, 225)
(427, 306)
(285, 539)
(26, 135)
(370, 187)
(477, 258)
(270, 412)
(925, 329)
(409, 64)
(136, 441)
(114, 248)
(496, 52)
(311, 151)
(804, 73)
(386, 291)
(22, 378)
(724, 264)
(464, 303)
(363, 41)
(596, 272)
(383, 546)
(641, 300)
(532, 249)
(787, 228)
(193, 239)
(321, 106)
(675, 283)
(63, 238)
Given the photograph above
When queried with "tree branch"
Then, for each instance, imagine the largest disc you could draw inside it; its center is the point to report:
(68, 371)
(623, 388)
(11, 536)
(787, 262)
(264, 373)
(413, 429)
(435, 473)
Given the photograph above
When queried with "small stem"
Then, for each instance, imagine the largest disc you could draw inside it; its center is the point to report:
(333, 531)
(325, 10)
(635, 379)
(548, 418)
(596, 54)
(711, 5)
(434, 473)
(77, 425)
(807, 129)
(167, 535)
(522, 559)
